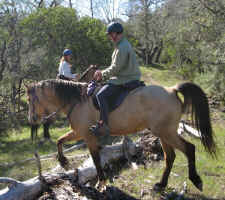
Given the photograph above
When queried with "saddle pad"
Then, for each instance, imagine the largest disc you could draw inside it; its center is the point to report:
(117, 99)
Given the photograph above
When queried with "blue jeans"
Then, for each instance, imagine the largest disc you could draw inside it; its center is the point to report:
(102, 97)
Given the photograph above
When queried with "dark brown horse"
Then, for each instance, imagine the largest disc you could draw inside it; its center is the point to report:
(86, 76)
(153, 107)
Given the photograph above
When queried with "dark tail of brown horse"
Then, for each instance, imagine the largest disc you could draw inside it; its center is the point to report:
(196, 100)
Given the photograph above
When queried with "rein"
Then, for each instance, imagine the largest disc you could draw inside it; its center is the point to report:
(44, 119)
(86, 72)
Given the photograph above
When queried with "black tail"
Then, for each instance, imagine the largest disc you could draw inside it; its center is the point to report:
(196, 99)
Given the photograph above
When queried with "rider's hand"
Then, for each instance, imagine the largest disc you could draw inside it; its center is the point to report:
(98, 75)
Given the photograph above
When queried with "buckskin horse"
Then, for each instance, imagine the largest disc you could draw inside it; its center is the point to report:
(150, 107)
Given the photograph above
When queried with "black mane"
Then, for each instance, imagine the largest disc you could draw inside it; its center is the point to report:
(66, 91)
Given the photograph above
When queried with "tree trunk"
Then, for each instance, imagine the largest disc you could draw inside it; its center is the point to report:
(159, 52)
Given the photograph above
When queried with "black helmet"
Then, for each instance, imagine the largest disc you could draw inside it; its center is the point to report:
(114, 27)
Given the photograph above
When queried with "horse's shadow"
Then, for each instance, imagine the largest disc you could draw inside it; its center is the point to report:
(114, 193)
(178, 196)
(111, 193)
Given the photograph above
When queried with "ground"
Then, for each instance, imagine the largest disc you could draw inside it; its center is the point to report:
(66, 188)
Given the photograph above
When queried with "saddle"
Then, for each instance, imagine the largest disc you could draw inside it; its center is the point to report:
(114, 101)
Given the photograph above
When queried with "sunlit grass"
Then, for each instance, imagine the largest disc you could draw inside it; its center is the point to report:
(17, 147)
(160, 75)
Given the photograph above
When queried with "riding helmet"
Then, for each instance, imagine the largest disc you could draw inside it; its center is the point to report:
(67, 52)
(114, 27)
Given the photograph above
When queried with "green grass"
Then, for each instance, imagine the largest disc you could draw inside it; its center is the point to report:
(138, 183)
(159, 75)
(17, 147)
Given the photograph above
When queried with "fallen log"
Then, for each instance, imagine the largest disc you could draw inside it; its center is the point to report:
(31, 188)
(188, 129)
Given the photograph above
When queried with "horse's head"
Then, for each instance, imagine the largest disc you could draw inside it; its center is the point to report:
(36, 110)
(50, 96)
(88, 74)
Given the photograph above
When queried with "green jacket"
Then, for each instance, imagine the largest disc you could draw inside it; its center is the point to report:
(124, 66)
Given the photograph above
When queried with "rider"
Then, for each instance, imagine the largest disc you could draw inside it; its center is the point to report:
(65, 66)
(123, 69)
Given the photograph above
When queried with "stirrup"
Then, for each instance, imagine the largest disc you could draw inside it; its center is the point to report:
(94, 128)
(102, 132)
(100, 129)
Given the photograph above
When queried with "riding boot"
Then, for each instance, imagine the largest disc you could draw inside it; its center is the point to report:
(102, 132)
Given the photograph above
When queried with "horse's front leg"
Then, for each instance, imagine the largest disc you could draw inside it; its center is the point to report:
(94, 149)
(71, 135)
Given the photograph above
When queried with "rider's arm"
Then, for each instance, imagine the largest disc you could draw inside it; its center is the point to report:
(119, 59)
(65, 70)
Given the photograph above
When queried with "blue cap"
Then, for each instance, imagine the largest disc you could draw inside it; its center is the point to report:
(114, 27)
(67, 52)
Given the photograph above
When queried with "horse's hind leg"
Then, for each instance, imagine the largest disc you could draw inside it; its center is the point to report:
(193, 175)
(71, 135)
(169, 156)
(189, 150)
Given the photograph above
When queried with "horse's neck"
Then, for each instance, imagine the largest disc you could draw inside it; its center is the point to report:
(58, 105)
(49, 100)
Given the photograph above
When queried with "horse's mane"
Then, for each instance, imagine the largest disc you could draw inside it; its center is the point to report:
(66, 91)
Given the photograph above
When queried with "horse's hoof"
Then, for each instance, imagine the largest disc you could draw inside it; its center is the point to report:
(199, 186)
(197, 182)
(101, 186)
(158, 187)
(64, 163)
